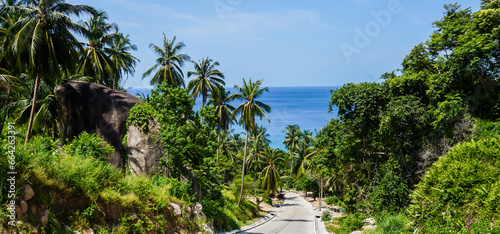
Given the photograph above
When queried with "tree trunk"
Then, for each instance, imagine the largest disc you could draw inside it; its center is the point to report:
(218, 148)
(6, 113)
(320, 193)
(33, 107)
(243, 170)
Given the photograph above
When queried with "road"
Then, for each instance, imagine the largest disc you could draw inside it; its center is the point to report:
(295, 216)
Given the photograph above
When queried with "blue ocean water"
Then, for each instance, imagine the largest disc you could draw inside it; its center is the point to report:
(305, 106)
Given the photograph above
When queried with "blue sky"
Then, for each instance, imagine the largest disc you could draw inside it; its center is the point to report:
(285, 43)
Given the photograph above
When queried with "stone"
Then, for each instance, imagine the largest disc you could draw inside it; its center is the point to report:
(95, 108)
(370, 221)
(33, 208)
(28, 193)
(44, 217)
(144, 149)
(24, 206)
(197, 208)
(176, 208)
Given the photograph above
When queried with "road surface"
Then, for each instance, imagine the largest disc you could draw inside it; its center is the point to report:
(295, 216)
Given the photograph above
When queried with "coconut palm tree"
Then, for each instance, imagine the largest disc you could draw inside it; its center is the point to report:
(259, 141)
(168, 64)
(223, 112)
(293, 135)
(270, 179)
(120, 55)
(43, 43)
(207, 79)
(95, 62)
(247, 111)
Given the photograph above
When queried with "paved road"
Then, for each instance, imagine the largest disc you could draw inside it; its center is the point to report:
(295, 216)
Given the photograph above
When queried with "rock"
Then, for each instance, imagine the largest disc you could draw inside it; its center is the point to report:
(369, 227)
(44, 217)
(144, 149)
(197, 208)
(24, 206)
(370, 221)
(95, 108)
(33, 208)
(28, 193)
(88, 231)
(176, 208)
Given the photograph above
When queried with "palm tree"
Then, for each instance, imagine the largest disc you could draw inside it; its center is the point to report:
(95, 62)
(270, 179)
(207, 79)
(120, 55)
(43, 43)
(168, 63)
(249, 92)
(292, 138)
(223, 112)
(259, 141)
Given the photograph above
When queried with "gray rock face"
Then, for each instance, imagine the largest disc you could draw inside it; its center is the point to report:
(144, 149)
(95, 108)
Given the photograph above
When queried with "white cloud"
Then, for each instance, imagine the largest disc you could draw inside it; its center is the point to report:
(253, 25)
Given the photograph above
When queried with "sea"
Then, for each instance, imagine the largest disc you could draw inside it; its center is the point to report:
(305, 106)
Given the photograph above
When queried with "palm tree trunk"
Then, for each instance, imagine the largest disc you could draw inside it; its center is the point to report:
(33, 107)
(320, 193)
(243, 170)
(218, 148)
(6, 113)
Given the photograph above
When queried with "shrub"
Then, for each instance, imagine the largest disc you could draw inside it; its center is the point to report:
(461, 189)
(140, 114)
(89, 145)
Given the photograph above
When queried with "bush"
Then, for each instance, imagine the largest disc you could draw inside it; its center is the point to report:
(140, 114)
(332, 201)
(392, 223)
(352, 222)
(461, 189)
(89, 145)
(326, 216)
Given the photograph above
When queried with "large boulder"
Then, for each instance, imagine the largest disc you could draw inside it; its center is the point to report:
(144, 148)
(95, 108)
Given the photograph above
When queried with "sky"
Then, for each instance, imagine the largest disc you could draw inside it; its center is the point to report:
(284, 43)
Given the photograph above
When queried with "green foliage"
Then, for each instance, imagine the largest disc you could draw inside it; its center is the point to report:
(461, 189)
(307, 184)
(332, 200)
(392, 223)
(89, 145)
(351, 222)
(326, 216)
(390, 193)
(140, 115)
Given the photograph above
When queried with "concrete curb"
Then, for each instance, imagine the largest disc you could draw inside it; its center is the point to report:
(264, 220)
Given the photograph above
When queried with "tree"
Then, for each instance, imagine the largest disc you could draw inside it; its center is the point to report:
(223, 112)
(95, 62)
(120, 55)
(207, 79)
(43, 43)
(270, 179)
(293, 134)
(168, 64)
(249, 92)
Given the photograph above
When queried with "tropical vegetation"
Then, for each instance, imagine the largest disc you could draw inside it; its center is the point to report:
(418, 151)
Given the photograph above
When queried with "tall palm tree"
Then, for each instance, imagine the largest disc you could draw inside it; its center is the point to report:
(207, 79)
(250, 108)
(223, 112)
(120, 55)
(43, 43)
(270, 179)
(168, 64)
(259, 141)
(293, 135)
(95, 62)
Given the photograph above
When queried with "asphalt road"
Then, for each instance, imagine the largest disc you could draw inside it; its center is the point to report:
(295, 216)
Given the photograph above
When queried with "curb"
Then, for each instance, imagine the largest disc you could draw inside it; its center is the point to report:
(264, 220)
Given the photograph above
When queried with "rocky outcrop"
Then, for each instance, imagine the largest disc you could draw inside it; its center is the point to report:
(144, 148)
(95, 108)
